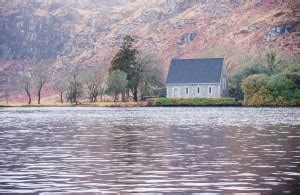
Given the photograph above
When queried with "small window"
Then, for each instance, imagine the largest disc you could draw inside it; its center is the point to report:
(198, 90)
(186, 90)
(175, 94)
(209, 90)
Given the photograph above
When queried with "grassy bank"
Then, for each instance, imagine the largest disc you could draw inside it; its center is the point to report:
(159, 102)
(97, 104)
(119, 104)
(43, 104)
(194, 102)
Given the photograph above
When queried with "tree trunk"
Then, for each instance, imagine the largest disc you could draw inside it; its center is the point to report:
(29, 97)
(135, 94)
(95, 97)
(75, 95)
(61, 98)
(116, 97)
(123, 97)
(127, 96)
(39, 96)
(145, 91)
(101, 90)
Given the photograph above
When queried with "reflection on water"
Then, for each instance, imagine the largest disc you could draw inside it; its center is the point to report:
(148, 150)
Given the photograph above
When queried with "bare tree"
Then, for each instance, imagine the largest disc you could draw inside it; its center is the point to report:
(8, 87)
(40, 77)
(233, 57)
(94, 80)
(7, 94)
(60, 88)
(26, 84)
(151, 73)
(75, 85)
(102, 89)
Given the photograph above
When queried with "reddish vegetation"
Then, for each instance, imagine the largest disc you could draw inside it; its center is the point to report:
(94, 32)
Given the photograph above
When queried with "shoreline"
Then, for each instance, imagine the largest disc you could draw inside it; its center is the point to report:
(142, 106)
(156, 102)
(66, 105)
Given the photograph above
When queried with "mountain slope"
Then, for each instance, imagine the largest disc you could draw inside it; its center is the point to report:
(64, 33)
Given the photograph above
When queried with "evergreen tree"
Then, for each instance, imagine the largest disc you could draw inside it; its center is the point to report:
(125, 60)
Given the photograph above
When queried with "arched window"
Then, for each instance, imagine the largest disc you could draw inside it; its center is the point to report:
(187, 90)
(209, 90)
(175, 94)
(198, 90)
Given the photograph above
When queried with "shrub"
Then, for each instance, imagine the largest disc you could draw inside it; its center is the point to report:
(238, 76)
(277, 90)
(280, 86)
(193, 102)
(268, 64)
(254, 89)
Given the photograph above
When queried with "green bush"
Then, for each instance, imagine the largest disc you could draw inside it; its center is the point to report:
(193, 102)
(280, 86)
(267, 82)
(276, 90)
(268, 64)
(238, 76)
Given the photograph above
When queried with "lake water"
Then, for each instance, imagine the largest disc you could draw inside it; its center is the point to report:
(150, 150)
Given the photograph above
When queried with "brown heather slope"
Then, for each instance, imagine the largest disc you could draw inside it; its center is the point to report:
(88, 32)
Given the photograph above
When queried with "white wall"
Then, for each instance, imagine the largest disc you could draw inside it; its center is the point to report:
(193, 91)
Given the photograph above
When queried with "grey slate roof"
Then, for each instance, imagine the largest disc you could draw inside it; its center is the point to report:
(206, 70)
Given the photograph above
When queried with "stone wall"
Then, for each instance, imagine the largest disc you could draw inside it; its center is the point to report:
(224, 83)
(179, 91)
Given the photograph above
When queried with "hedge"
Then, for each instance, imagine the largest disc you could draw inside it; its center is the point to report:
(194, 102)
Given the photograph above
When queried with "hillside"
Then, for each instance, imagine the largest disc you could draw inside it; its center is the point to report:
(88, 32)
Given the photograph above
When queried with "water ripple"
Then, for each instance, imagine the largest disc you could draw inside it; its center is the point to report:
(150, 150)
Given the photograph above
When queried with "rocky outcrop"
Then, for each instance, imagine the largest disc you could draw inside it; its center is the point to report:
(181, 5)
(25, 35)
(216, 10)
(186, 38)
(150, 16)
(282, 30)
